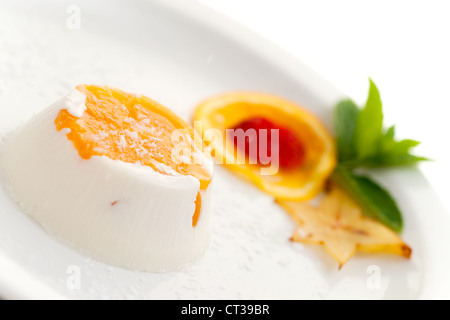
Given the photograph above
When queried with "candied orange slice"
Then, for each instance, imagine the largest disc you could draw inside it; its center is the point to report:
(134, 129)
(217, 115)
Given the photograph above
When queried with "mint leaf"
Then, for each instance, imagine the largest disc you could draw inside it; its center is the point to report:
(369, 125)
(388, 145)
(375, 201)
(393, 153)
(390, 134)
(362, 142)
(345, 115)
(381, 161)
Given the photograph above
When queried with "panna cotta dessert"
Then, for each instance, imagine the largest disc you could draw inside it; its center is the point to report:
(115, 175)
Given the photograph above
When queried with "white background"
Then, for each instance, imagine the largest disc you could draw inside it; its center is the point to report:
(404, 46)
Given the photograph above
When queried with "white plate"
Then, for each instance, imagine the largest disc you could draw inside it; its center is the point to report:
(180, 52)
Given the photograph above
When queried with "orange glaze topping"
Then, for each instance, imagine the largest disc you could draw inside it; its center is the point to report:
(134, 129)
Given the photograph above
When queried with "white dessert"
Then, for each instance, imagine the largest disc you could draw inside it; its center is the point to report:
(124, 214)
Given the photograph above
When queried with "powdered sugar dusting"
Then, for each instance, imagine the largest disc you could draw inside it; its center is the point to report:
(165, 169)
(66, 131)
(75, 103)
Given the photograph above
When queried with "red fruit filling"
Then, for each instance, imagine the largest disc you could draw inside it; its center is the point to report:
(291, 153)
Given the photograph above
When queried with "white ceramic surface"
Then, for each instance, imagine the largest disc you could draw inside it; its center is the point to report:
(179, 52)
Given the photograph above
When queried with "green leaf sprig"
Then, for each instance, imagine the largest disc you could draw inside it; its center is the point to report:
(362, 142)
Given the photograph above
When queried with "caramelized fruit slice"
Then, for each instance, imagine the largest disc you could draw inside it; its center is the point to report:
(339, 225)
(301, 174)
